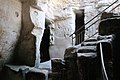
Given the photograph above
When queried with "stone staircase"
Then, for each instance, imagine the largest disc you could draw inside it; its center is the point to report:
(87, 48)
(83, 61)
(87, 59)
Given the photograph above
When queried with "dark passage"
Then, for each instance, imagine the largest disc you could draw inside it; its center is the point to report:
(44, 47)
(79, 22)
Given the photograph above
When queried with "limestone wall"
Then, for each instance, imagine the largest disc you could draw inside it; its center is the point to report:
(90, 11)
(63, 24)
(10, 25)
(61, 18)
(25, 48)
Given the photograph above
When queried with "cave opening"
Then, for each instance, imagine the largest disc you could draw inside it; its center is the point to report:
(45, 44)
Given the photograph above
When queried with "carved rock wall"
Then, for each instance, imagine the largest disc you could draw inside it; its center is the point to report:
(63, 24)
(92, 8)
(25, 49)
(10, 25)
(35, 13)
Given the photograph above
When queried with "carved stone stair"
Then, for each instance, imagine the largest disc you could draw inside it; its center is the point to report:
(87, 60)
(88, 57)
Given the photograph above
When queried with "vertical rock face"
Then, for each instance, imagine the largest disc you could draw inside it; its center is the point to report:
(62, 40)
(38, 19)
(10, 25)
(25, 49)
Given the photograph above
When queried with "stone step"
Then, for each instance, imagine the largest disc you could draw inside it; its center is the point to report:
(87, 49)
(90, 54)
(89, 43)
(22, 72)
(87, 64)
(91, 40)
(104, 37)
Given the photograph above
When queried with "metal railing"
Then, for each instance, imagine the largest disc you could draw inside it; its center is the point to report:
(104, 73)
(79, 34)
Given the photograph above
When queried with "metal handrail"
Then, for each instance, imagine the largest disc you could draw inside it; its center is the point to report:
(102, 21)
(93, 22)
(115, 7)
(94, 17)
(102, 61)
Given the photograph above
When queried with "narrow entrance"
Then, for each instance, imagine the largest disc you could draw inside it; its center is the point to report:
(44, 46)
(79, 22)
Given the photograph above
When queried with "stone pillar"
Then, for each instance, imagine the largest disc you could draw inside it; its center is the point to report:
(38, 19)
(37, 14)
(25, 49)
(28, 49)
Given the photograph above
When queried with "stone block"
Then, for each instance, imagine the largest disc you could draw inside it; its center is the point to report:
(15, 72)
(9, 74)
(108, 58)
(70, 58)
(58, 69)
(35, 76)
(109, 26)
(88, 67)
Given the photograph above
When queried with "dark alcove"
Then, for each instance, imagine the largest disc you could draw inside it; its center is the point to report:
(79, 22)
(45, 43)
